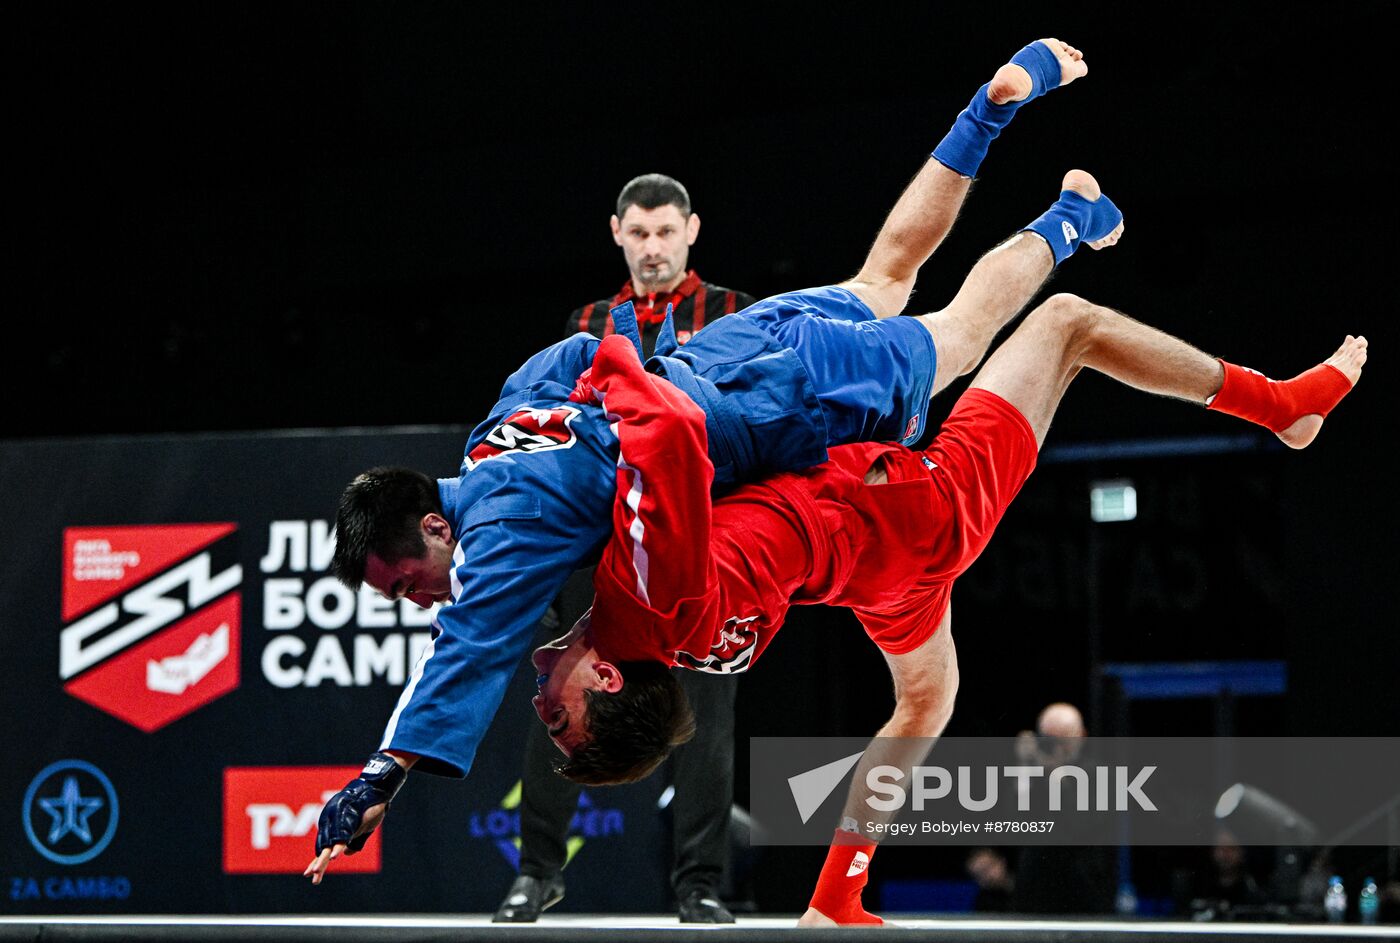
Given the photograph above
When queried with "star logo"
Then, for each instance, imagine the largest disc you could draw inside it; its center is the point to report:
(70, 810)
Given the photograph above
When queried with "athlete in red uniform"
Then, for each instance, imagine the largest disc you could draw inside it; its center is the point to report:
(879, 528)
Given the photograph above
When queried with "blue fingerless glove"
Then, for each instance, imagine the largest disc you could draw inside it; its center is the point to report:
(380, 781)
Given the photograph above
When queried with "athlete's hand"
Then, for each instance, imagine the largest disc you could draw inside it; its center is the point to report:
(583, 389)
(374, 815)
(352, 815)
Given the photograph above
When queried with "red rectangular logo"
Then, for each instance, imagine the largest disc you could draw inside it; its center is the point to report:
(270, 815)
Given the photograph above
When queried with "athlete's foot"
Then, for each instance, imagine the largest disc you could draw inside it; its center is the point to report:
(1349, 359)
(815, 918)
(1083, 183)
(1013, 83)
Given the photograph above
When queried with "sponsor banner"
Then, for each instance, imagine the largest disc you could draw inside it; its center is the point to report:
(270, 816)
(170, 620)
(1278, 791)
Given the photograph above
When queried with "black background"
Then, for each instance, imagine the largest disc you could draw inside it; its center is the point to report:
(242, 217)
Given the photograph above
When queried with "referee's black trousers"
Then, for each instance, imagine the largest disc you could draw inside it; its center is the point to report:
(702, 772)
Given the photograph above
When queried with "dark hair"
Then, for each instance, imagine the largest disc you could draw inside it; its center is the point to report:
(379, 513)
(652, 190)
(632, 731)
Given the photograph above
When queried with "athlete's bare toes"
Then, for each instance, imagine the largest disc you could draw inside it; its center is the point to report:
(1349, 359)
(1072, 64)
(815, 918)
(1013, 83)
(1110, 240)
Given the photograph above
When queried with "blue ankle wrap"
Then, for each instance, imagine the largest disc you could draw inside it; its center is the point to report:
(1072, 220)
(965, 145)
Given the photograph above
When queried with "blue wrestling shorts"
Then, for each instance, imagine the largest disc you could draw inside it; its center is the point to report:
(793, 374)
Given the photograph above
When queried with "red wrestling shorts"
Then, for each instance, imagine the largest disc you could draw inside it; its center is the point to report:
(981, 457)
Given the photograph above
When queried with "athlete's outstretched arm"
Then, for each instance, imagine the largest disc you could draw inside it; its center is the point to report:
(930, 204)
(925, 686)
(353, 814)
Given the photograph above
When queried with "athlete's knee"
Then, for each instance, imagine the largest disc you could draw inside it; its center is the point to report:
(961, 343)
(884, 294)
(1064, 311)
(926, 710)
(1074, 322)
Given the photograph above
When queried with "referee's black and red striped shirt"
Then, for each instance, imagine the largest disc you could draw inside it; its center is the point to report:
(697, 303)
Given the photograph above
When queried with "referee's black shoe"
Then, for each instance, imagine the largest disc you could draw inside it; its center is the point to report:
(529, 897)
(703, 905)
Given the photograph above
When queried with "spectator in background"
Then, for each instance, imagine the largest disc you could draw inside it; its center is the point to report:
(655, 228)
(1390, 902)
(1230, 881)
(1060, 879)
(995, 883)
(1225, 884)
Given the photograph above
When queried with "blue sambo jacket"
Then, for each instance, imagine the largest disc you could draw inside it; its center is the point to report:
(533, 499)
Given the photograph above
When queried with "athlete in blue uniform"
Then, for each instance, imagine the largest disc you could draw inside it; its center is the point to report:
(779, 383)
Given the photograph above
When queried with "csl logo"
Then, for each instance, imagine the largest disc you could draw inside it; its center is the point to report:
(153, 630)
(70, 812)
(270, 816)
(527, 430)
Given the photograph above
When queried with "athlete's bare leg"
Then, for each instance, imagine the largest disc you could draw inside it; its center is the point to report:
(930, 204)
(925, 685)
(1001, 283)
(1031, 370)
(1036, 364)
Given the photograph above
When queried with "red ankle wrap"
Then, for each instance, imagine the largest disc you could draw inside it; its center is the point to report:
(842, 879)
(1277, 404)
